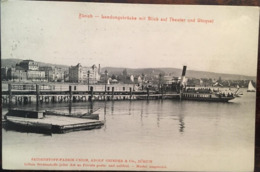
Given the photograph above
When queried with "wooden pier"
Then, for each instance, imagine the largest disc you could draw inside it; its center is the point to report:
(20, 94)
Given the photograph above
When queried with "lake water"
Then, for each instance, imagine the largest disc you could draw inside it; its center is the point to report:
(143, 135)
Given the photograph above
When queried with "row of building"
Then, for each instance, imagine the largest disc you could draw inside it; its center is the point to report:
(29, 70)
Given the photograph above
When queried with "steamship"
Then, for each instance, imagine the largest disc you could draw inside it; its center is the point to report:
(202, 94)
(210, 96)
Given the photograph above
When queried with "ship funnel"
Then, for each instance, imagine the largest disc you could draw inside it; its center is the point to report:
(184, 70)
(183, 76)
(99, 69)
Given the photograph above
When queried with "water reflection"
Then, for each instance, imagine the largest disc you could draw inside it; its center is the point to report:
(181, 117)
(105, 114)
(147, 107)
(159, 110)
(141, 114)
(130, 108)
(182, 124)
(112, 108)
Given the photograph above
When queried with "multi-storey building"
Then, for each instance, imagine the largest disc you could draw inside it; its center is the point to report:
(35, 75)
(53, 74)
(82, 74)
(26, 70)
(28, 65)
(48, 72)
(58, 74)
(16, 74)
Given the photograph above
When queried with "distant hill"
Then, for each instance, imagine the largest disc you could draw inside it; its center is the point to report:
(139, 71)
(13, 62)
(9, 62)
(177, 72)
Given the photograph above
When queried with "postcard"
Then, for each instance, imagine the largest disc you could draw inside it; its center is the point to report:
(128, 87)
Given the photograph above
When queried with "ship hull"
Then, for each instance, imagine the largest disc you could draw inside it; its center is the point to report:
(206, 97)
(209, 99)
(86, 115)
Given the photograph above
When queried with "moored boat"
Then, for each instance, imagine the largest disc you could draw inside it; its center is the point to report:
(77, 115)
(25, 113)
(238, 93)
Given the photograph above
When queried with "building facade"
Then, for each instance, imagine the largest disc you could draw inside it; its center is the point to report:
(35, 75)
(58, 74)
(28, 65)
(53, 74)
(25, 70)
(82, 74)
(48, 72)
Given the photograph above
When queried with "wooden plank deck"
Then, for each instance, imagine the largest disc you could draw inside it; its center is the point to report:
(57, 124)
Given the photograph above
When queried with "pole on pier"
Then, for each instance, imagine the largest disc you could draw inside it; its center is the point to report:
(91, 92)
(162, 91)
(106, 81)
(113, 90)
(91, 108)
(37, 94)
(147, 89)
(25, 100)
(70, 92)
(70, 105)
(10, 94)
(131, 92)
(88, 79)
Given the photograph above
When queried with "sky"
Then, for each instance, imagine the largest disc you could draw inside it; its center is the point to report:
(52, 32)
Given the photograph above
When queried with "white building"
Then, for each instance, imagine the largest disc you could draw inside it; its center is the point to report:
(82, 74)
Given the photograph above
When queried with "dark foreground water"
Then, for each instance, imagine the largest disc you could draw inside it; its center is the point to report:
(143, 135)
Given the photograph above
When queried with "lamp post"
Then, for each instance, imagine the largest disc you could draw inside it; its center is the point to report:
(19, 75)
(106, 81)
(134, 84)
(142, 81)
(13, 75)
(160, 80)
(88, 79)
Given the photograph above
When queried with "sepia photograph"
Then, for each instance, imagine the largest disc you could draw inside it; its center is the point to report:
(128, 87)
